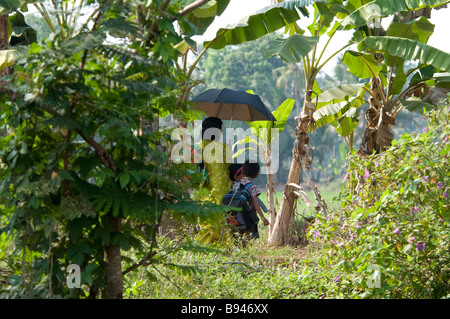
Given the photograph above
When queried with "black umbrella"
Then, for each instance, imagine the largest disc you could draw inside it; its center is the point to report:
(229, 104)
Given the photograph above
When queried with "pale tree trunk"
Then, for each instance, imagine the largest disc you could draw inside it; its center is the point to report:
(270, 191)
(280, 231)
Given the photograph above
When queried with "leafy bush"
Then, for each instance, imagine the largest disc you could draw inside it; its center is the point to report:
(391, 238)
(83, 174)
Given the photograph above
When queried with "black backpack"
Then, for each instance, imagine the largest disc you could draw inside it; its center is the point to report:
(246, 218)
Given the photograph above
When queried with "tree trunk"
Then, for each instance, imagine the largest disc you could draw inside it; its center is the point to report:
(271, 193)
(280, 232)
(114, 278)
(377, 134)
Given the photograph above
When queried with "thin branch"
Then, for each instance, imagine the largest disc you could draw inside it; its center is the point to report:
(100, 151)
(162, 7)
(143, 262)
(192, 7)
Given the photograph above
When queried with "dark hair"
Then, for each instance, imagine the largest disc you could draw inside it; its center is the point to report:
(232, 169)
(211, 122)
(250, 169)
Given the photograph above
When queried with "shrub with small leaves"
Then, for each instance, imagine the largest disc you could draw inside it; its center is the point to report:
(391, 238)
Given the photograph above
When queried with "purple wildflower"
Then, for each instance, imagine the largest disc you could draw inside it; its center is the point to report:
(440, 185)
(414, 209)
(316, 233)
(420, 245)
(376, 164)
(366, 174)
(411, 239)
(445, 194)
(425, 178)
(396, 231)
(425, 129)
(337, 279)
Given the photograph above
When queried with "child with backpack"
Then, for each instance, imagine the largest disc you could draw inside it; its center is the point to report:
(242, 177)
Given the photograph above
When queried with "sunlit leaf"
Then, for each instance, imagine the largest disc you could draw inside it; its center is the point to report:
(292, 49)
(361, 65)
(384, 8)
(260, 23)
(410, 50)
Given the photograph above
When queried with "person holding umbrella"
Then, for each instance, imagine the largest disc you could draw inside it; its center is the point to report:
(216, 158)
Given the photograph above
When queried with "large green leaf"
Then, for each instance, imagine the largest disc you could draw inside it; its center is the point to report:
(198, 21)
(347, 123)
(338, 93)
(339, 112)
(263, 129)
(361, 65)
(262, 22)
(414, 104)
(330, 112)
(282, 113)
(7, 6)
(292, 49)
(442, 80)
(22, 33)
(419, 29)
(384, 8)
(324, 13)
(410, 50)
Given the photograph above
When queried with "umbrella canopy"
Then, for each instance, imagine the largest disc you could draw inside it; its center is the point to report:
(229, 104)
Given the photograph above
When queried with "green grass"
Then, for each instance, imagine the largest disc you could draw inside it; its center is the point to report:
(328, 192)
(234, 272)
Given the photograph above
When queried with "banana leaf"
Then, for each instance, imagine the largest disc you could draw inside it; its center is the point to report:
(7, 6)
(262, 22)
(338, 93)
(410, 50)
(361, 65)
(347, 123)
(414, 104)
(198, 21)
(419, 29)
(292, 49)
(384, 8)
